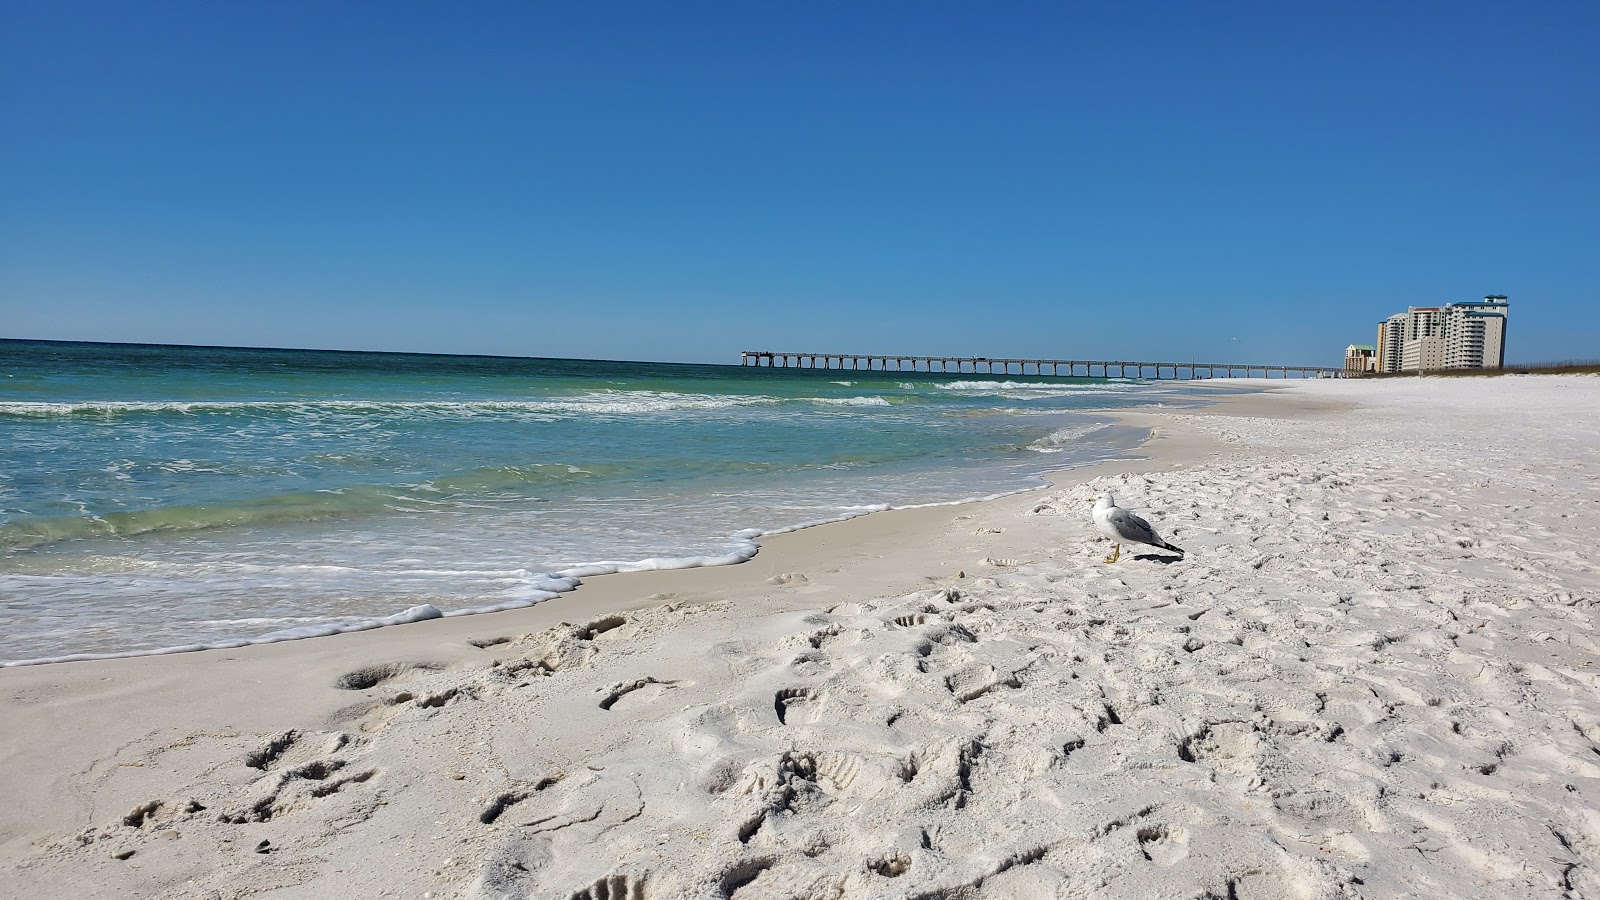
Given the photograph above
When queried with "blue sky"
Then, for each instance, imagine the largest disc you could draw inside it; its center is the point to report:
(682, 181)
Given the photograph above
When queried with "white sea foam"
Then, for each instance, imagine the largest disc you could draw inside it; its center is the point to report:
(177, 466)
(991, 386)
(851, 401)
(1062, 438)
(1034, 390)
(414, 614)
(621, 402)
(532, 588)
(263, 622)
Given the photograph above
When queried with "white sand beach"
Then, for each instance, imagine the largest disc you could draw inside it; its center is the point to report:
(1375, 673)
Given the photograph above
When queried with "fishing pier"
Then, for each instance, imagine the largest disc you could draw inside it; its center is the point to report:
(1065, 368)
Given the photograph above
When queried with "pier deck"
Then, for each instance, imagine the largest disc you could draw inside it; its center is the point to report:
(983, 365)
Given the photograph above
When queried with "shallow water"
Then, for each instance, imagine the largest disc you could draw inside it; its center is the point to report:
(168, 496)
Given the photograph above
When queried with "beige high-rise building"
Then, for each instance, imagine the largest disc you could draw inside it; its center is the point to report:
(1423, 346)
(1391, 340)
(1469, 335)
(1423, 354)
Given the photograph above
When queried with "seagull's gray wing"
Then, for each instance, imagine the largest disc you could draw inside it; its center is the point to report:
(1132, 528)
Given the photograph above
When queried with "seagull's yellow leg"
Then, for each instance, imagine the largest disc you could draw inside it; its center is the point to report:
(1116, 553)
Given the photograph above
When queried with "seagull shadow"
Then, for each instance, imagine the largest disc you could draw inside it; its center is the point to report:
(1164, 560)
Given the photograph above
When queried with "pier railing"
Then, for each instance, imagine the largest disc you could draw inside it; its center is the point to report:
(983, 365)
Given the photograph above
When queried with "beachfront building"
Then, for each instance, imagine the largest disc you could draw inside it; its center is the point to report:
(1423, 347)
(1468, 335)
(1391, 339)
(1359, 359)
(1475, 334)
(1423, 354)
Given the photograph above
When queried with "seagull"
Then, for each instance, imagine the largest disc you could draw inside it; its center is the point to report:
(1123, 526)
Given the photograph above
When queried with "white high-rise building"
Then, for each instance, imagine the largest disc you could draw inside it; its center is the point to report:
(1468, 335)
(1475, 334)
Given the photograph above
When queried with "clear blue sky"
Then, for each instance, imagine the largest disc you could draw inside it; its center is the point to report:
(682, 181)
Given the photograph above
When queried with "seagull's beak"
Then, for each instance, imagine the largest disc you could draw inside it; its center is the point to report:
(1091, 499)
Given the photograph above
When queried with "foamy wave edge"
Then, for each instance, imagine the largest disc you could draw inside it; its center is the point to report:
(549, 586)
(1064, 387)
(605, 402)
(1061, 439)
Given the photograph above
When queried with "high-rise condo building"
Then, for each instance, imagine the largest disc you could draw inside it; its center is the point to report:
(1424, 342)
(1386, 333)
(1391, 340)
(1469, 335)
(1475, 334)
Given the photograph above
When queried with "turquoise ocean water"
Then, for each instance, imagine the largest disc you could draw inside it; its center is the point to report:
(159, 497)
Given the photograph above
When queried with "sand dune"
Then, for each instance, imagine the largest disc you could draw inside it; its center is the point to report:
(1373, 675)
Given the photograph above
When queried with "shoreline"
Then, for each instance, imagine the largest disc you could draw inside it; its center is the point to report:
(196, 680)
(147, 522)
(746, 544)
(1369, 647)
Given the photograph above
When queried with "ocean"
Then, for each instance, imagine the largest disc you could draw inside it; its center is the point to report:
(156, 498)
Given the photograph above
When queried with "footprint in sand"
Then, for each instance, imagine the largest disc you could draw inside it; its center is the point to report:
(369, 677)
(1162, 845)
(970, 683)
(615, 887)
(890, 866)
(504, 801)
(604, 626)
(566, 646)
(294, 774)
(643, 690)
(790, 698)
(130, 834)
(378, 716)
